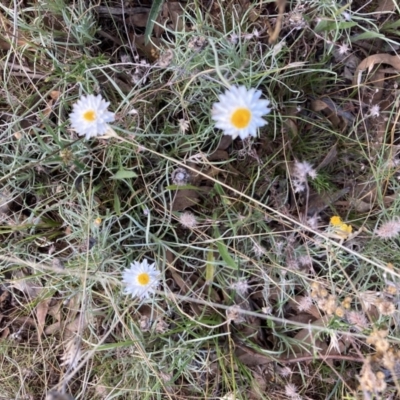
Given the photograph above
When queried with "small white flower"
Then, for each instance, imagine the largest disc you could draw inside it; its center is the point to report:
(141, 279)
(90, 116)
(343, 48)
(239, 112)
(375, 110)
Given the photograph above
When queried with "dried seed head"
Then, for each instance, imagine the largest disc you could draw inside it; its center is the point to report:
(197, 43)
(358, 319)
(378, 339)
(161, 326)
(369, 381)
(234, 314)
(258, 250)
(291, 391)
(180, 176)
(242, 287)
(304, 303)
(165, 58)
(385, 307)
(188, 220)
(340, 312)
(389, 229)
(183, 125)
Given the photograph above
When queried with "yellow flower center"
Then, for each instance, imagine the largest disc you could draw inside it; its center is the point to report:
(241, 117)
(89, 116)
(143, 278)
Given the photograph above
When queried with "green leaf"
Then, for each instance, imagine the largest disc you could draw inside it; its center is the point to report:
(210, 267)
(154, 11)
(117, 204)
(327, 26)
(124, 174)
(366, 36)
(223, 251)
(391, 25)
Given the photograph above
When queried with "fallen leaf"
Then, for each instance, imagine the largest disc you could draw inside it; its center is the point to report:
(218, 155)
(369, 62)
(384, 7)
(185, 198)
(41, 314)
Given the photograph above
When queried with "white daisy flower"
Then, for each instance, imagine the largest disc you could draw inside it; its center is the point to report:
(90, 116)
(141, 279)
(239, 112)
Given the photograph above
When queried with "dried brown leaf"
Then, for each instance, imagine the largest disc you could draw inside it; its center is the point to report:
(225, 142)
(308, 340)
(369, 62)
(384, 7)
(185, 198)
(249, 357)
(41, 313)
(218, 155)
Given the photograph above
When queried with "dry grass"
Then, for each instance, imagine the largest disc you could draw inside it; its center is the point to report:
(262, 294)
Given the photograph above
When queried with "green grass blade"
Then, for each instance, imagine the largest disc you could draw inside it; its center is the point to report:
(155, 9)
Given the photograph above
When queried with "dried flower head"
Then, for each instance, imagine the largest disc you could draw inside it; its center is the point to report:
(304, 303)
(90, 116)
(188, 220)
(161, 326)
(327, 304)
(370, 381)
(239, 112)
(234, 313)
(389, 229)
(358, 319)
(258, 250)
(141, 279)
(285, 371)
(242, 286)
(144, 323)
(340, 312)
(305, 260)
(183, 125)
(291, 391)
(197, 43)
(165, 58)
(346, 303)
(385, 307)
(378, 339)
(180, 176)
(302, 170)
